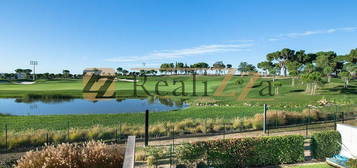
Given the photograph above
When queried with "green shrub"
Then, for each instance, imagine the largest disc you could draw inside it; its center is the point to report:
(154, 154)
(243, 152)
(326, 144)
(352, 163)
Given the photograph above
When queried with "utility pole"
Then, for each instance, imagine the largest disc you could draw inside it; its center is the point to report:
(34, 63)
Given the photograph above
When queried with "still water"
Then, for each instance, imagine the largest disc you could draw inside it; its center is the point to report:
(81, 106)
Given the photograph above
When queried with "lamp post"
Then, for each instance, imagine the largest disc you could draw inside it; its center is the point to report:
(34, 63)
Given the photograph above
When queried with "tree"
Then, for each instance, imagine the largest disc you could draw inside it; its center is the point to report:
(219, 65)
(66, 73)
(308, 68)
(245, 67)
(180, 66)
(164, 68)
(201, 65)
(327, 71)
(275, 70)
(229, 66)
(353, 56)
(326, 59)
(19, 70)
(265, 66)
(277, 85)
(345, 76)
(27, 71)
(119, 70)
(312, 81)
(293, 74)
(125, 72)
(294, 68)
(351, 68)
(282, 57)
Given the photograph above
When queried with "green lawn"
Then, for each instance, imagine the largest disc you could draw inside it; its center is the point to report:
(290, 99)
(59, 122)
(288, 95)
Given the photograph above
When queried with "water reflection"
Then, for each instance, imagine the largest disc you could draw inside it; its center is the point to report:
(31, 98)
(63, 104)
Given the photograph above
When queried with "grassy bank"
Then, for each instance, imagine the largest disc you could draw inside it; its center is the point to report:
(288, 94)
(290, 98)
(60, 122)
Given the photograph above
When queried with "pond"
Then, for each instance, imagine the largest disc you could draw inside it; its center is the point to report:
(67, 105)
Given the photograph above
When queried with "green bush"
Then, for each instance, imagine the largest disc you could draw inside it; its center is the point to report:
(326, 144)
(244, 152)
(352, 163)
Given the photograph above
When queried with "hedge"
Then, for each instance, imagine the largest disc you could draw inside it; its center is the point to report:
(244, 152)
(326, 144)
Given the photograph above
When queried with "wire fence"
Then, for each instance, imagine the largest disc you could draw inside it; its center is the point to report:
(277, 122)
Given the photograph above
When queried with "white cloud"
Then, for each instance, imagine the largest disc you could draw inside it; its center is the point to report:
(240, 41)
(312, 32)
(273, 39)
(169, 54)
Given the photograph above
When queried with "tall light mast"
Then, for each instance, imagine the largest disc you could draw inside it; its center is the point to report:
(34, 63)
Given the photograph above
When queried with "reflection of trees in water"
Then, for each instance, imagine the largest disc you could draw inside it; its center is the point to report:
(33, 106)
(171, 102)
(56, 98)
(158, 99)
(166, 101)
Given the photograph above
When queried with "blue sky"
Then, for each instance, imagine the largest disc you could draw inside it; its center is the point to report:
(67, 34)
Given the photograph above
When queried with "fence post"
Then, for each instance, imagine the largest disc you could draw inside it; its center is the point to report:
(224, 131)
(119, 132)
(173, 139)
(265, 118)
(5, 137)
(343, 117)
(335, 125)
(146, 127)
(47, 138)
(116, 135)
(68, 131)
(307, 123)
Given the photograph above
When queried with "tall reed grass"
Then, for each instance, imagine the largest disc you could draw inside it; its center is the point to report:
(31, 138)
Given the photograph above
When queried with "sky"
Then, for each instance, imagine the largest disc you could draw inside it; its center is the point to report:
(77, 34)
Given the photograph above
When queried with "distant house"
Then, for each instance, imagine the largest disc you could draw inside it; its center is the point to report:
(21, 75)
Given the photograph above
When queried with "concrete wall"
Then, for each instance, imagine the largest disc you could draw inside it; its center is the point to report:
(349, 140)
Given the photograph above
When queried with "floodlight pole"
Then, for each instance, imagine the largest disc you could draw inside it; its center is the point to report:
(34, 63)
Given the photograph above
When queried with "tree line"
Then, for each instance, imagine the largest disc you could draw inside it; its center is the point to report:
(179, 68)
(310, 67)
(28, 75)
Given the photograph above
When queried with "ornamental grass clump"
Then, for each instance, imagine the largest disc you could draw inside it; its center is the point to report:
(90, 155)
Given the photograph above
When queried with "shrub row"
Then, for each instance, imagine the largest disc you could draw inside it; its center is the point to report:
(326, 144)
(244, 152)
(90, 155)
